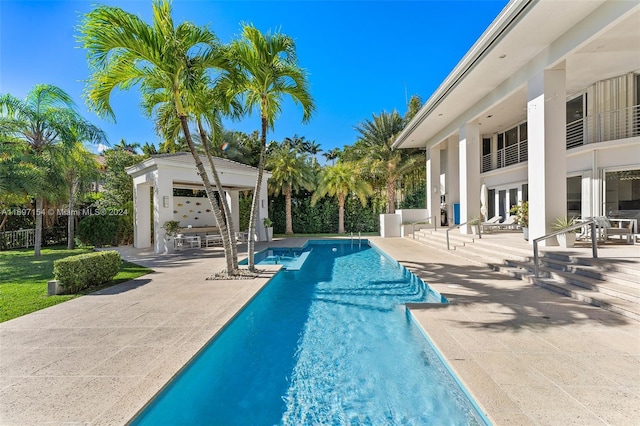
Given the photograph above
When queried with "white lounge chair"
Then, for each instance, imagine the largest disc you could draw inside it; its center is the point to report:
(489, 223)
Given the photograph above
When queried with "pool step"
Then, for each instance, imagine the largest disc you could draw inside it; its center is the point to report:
(612, 284)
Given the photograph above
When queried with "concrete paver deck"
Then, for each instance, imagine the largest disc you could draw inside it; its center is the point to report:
(528, 356)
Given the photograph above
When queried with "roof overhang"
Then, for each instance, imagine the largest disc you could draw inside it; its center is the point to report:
(582, 36)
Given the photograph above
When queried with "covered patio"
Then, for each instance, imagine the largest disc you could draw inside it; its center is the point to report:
(168, 187)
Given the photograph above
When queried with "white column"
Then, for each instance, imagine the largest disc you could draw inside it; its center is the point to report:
(233, 200)
(547, 171)
(469, 146)
(453, 176)
(142, 215)
(433, 183)
(163, 188)
(263, 211)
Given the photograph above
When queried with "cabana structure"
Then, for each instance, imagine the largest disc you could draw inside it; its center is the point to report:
(168, 187)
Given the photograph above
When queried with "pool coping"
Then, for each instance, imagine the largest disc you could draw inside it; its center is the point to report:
(527, 356)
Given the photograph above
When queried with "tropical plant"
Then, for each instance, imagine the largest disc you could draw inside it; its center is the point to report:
(373, 147)
(268, 223)
(265, 70)
(45, 120)
(564, 222)
(332, 155)
(339, 181)
(171, 227)
(521, 211)
(79, 169)
(166, 61)
(290, 172)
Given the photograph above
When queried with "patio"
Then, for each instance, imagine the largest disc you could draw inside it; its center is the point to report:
(527, 355)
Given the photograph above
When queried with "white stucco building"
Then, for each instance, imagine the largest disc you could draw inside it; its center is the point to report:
(168, 187)
(545, 107)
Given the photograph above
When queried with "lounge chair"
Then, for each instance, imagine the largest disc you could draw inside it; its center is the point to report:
(489, 223)
(509, 223)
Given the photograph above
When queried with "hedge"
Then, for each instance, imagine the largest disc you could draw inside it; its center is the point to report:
(85, 270)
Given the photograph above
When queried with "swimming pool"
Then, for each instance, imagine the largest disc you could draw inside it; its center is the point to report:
(331, 343)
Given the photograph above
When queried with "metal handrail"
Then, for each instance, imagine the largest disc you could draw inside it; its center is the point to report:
(462, 224)
(594, 245)
(426, 219)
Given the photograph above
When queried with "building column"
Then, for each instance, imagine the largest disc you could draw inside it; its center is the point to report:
(547, 170)
(233, 200)
(469, 154)
(141, 215)
(433, 183)
(452, 188)
(163, 188)
(263, 211)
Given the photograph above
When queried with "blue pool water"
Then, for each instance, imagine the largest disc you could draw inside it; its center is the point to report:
(290, 258)
(329, 344)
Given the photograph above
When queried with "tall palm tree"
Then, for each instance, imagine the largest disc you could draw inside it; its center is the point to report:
(375, 139)
(79, 168)
(165, 60)
(44, 121)
(340, 180)
(265, 71)
(290, 172)
(314, 149)
(332, 155)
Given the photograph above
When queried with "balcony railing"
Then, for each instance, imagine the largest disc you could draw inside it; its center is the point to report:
(513, 154)
(606, 126)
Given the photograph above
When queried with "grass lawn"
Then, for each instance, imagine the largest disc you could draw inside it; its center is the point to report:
(23, 279)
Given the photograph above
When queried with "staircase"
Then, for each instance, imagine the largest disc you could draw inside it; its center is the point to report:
(611, 282)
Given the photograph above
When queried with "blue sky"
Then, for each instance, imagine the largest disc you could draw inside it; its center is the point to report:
(362, 57)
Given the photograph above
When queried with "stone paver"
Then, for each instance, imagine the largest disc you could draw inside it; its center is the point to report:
(99, 359)
(528, 356)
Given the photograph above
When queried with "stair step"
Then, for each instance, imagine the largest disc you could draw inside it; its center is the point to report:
(604, 301)
(595, 272)
(612, 284)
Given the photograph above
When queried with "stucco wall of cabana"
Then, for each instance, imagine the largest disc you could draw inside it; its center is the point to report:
(155, 179)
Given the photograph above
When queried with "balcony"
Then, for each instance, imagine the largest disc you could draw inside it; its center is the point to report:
(605, 126)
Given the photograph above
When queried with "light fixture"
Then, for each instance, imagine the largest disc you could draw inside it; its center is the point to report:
(165, 201)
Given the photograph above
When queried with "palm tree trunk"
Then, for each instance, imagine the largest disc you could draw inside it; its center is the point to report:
(391, 196)
(37, 241)
(208, 188)
(341, 213)
(256, 195)
(230, 245)
(287, 205)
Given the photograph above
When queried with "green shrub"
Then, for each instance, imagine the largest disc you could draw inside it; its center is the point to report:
(98, 230)
(85, 270)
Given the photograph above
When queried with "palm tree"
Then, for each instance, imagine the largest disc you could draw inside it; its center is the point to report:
(166, 61)
(374, 144)
(332, 155)
(290, 172)
(314, 149)
(338, 181)
(79, 168)
(265, 70)
(44, 121)
(129, 147)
